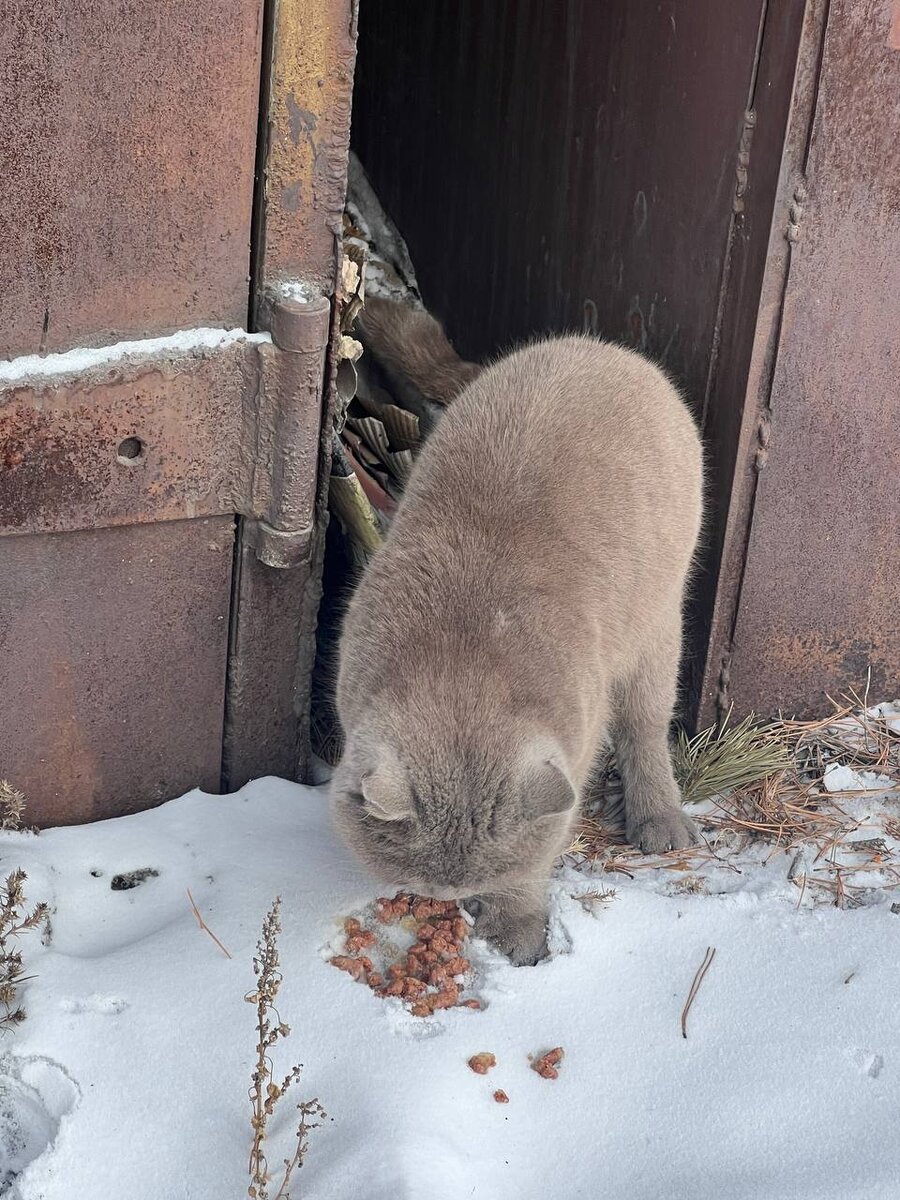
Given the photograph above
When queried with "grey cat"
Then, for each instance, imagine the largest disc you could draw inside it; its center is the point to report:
(524, 611)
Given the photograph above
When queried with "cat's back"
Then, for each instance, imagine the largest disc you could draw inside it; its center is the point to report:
(565, 418)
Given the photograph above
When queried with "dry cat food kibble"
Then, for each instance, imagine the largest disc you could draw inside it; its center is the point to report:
(482, 1063)
(430, 975)
(546, 1065)
(501, 1097)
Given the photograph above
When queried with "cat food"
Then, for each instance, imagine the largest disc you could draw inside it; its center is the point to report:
(501, 1097)
(546, 1065)
(482, 1063)
(431, 974)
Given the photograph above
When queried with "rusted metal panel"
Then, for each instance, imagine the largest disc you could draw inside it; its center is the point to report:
(820, 598)
(155, 435)
(743, 343)
(112, 665)
(127, 147)
(309, 96)
(313, 47)
(749, 386)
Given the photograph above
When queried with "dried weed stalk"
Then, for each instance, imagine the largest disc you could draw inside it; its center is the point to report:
(264, 1091)
(14, 921)
(12, 806)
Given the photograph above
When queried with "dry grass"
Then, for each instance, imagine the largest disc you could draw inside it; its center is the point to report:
(265, 1093)
(763, 791)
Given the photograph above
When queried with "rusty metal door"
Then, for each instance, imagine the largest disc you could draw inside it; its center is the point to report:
(809, 597)
(170, 172)
(560, 164)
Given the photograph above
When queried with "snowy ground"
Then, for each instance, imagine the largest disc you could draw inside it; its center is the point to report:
(129, 1077)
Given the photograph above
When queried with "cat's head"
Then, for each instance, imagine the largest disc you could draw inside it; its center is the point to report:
(455, 821)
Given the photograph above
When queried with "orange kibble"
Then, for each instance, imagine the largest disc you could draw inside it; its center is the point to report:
(375, 980)
(482, 1063)
(547, 1063)
(413, 987)
(352, 966)
(460, 929)
(426, 931)
(446, 997)
(457, 966)
(396, 971)
(421, 1009)
(417, 948)
(501, 1097)
(352, 926)
(395, 988)
(360, 941)
(476, 1004)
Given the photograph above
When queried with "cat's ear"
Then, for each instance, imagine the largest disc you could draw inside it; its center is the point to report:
(547, 790)
(384, 787)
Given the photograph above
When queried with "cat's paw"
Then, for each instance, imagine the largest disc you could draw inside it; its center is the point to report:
(671, 829)
(522, 939)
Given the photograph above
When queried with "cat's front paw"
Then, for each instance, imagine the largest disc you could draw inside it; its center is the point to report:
(523, 939)
(671, 829)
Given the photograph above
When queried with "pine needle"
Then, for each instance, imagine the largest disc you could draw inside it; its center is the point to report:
(723, 757)
(695, 986)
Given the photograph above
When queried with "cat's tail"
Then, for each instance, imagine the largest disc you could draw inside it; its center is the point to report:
(413, 350)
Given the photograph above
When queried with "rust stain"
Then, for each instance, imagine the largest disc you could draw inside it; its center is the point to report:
(311, 88)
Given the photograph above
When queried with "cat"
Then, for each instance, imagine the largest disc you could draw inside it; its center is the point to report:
(523, 612)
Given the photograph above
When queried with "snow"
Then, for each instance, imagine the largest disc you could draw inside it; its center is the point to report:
(31, 368)
(129, 1076)
(295, 289)
(841, 778)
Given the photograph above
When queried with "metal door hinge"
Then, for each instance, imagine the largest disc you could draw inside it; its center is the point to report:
(288, 427)
(201, 423)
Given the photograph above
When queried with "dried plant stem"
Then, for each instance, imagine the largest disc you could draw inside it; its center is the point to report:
(13, 923)
(203, 925)
(264, 1093)
(695, 986)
